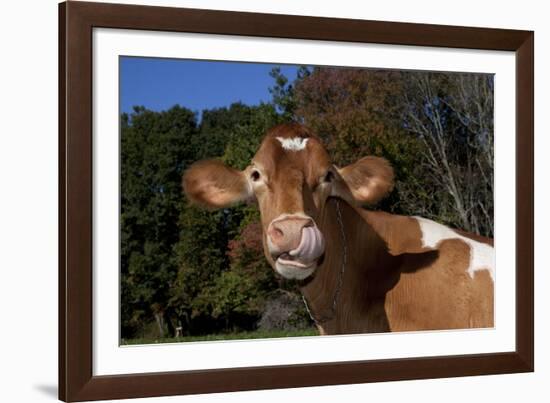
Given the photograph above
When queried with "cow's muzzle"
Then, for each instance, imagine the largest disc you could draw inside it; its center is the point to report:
(295, 244)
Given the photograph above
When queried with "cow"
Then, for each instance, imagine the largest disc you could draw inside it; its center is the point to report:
(359, 271)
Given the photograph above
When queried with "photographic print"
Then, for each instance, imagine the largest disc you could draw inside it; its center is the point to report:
(264, 201)
(256, 201)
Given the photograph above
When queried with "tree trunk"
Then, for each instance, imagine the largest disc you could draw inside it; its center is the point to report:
(159, 317)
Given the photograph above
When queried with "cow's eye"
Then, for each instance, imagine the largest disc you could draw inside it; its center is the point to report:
(328, 177)
(255, 176)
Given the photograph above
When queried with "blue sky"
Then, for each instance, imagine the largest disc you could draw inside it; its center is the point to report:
(159, 84)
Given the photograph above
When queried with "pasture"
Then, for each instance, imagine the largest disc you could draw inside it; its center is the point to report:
(258, 334)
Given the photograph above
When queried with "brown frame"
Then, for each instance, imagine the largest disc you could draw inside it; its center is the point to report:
(76, 22)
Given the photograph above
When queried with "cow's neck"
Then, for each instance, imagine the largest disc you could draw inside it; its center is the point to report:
(360, 303)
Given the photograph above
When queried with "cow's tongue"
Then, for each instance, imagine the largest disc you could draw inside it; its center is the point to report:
(311, 245)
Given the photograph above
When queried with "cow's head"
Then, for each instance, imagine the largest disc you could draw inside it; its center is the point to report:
(291, 177)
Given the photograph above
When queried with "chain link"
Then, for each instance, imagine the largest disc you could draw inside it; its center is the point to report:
(325, 318)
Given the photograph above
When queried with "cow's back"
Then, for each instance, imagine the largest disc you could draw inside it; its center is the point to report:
(446, 279)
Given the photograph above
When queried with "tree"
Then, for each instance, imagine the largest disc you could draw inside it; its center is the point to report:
(210, 253)
(282, 92)
(473, 103)
(155, 149)
(452, 115)
(436, 130)
(357, 112)
(216, 128)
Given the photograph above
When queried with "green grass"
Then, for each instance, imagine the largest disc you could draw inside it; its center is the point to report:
(228, 336)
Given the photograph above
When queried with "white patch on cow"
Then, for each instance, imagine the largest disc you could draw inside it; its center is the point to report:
(482, 256)
(293, 144)
(293, 272)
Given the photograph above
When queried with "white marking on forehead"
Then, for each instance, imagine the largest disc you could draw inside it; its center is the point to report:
(293, 144)
(482, 256)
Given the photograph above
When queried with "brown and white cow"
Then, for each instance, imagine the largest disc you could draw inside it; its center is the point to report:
(361, 271)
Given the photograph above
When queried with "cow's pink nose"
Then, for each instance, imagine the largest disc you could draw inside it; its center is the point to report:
(285, 234)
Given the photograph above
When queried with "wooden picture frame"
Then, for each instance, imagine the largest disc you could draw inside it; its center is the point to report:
(76, 23)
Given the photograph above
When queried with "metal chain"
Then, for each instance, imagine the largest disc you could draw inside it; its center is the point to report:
(323, 319)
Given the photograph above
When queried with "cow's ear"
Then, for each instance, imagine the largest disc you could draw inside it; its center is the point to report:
(213, 184)
(369, 179)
